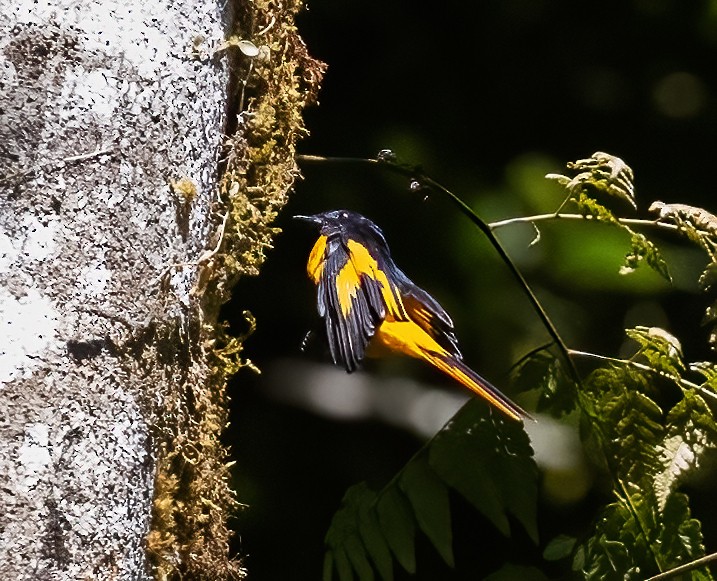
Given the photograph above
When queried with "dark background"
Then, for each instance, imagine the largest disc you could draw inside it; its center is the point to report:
(488, 97)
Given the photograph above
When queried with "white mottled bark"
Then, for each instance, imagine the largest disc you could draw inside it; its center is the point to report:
(104, 106)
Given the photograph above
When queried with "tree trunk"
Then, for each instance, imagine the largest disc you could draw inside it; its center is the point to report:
(120, 233)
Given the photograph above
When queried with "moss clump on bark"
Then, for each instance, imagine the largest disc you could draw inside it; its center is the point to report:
(193, 497)
(275, 87)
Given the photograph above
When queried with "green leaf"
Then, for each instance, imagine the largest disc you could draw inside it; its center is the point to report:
(610, 552)
(345, 548)
(559, 548)
(502, 477)
(640, 247)
(429, 498)
(650, 528)
(398, 526)
(691, 431)
(448, 457)
(696, 223)
(546, 372)
(343, 565)
(625, 424)
(532, 371)
(708, 279)
(661, 349)
(603, 173)
(680, 537)
(643, 249)
(375, 543)
(700, 227)
(357, 557)
(479, 453)
(328, 573)
(708, 370)
(608, 174)
(588, 206)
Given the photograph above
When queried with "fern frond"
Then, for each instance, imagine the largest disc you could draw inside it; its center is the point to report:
(543, 371)
(691, 431)
(372, 529)
(708, 278)
(634, 541)
(355, 536)
(648, 453)
(603, 173)
(708, 370)
(643, 249)
(699, 226)
(640, 247)
(615, 549)
(629, 423)
(503, 482)
(661, 350)
(680, 540)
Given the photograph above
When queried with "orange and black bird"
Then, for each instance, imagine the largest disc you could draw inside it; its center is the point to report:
(367, 302)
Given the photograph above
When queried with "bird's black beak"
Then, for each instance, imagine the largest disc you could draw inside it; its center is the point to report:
(313, 219)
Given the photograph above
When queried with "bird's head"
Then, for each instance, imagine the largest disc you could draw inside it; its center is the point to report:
(345, 223)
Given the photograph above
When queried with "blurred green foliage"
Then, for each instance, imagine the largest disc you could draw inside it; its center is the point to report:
(645, 449)
(488, 97)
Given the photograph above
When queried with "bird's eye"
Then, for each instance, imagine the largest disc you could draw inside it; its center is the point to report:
(344, 215)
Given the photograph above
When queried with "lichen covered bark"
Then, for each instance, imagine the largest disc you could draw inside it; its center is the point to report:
(106, 109)
(125, 216)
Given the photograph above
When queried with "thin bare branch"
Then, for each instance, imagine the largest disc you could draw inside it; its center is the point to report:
(642, 367)
(559, 216)
(691, 566)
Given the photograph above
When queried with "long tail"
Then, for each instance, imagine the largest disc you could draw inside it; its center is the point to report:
(459, 371)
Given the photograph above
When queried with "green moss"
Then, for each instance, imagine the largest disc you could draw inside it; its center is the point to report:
(260, 164)
(193, 499)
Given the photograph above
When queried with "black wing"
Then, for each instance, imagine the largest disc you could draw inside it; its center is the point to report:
(351, 304)
(426, 312)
